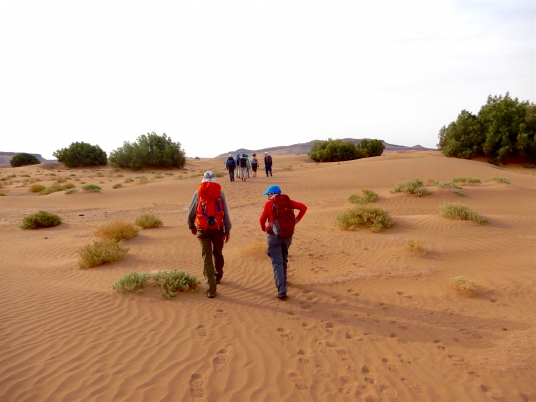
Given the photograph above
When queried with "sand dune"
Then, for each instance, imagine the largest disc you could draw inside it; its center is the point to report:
(366, 320)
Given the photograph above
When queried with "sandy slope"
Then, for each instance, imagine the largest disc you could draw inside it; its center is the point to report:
(365, 320)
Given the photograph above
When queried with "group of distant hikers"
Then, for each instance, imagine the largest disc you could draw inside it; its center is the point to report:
(246, 167)
(209, 220)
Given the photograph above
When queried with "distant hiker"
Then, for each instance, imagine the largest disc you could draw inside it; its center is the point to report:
(268, 163)
(238, 170)
(254, 164)
(279, 211)
(230, 165)
(244, 174)
(208, 218)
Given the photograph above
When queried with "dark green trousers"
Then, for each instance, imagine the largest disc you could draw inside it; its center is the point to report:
(212, 251)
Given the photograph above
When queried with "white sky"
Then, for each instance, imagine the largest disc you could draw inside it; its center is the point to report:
(221, 75)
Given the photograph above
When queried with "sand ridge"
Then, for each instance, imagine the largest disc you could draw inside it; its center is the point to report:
(366, 320)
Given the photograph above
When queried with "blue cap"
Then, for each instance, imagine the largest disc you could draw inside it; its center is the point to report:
(272, 189)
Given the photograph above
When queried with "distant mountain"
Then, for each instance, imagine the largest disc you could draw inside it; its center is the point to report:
(5, 157)
(304, 148)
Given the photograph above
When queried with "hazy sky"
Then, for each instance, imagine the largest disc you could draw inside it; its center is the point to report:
(221, 75)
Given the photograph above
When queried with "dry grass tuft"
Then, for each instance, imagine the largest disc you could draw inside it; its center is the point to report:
(368, 196)
(415, 248)
(500, 180)
(35, 188)
(455, 210)
(100, 252)
(414, 186)
(255, 249)
(148, 221)
(41, 219)
(117, 231)
(463, 285)
(364, 215)
(174, 281)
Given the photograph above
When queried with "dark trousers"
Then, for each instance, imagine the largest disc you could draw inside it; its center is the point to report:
(212, 251)
(278, 252)
(231, 173)
(268, 168)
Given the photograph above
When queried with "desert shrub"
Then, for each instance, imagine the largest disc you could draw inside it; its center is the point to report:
(335, 150)
(41, 219)
(80, 154)
(149, 150)
(147, 221)
(447, 184)
(364, 215)
(35, 188)
(415, 247)
(129, 180)
(414, 186)
(458, 193)
(24, 175)
(117, 185)
(100, 252)
(51, 189)
(132, 282)
(158, 176)
(371, 147)
(91, 188)
(141, 179)
(174, 281)
(117, 230)
(500, 180)
(219, 174)
(463, 285)
(2, 194)
(24, 159)
(464, 180)
(432, 182)
(60, 180)
(68, 186)
(255, 249)
(529, 166)
(73, 190)
(367, 196)
(455, 210)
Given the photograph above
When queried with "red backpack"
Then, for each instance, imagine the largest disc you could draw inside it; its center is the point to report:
(285, 220)
(210, 212)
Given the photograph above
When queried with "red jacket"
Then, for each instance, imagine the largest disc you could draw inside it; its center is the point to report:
(268, 212)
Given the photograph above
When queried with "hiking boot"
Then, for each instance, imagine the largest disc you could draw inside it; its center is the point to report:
(218, 281)
(282, 296)
(211, 295)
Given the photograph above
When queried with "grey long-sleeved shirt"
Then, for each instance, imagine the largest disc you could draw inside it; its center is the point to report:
(193, 210)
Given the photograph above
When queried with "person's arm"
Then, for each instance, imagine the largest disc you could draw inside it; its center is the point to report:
(191, 214)
(265, 214)
(226, 217)
(300, 207)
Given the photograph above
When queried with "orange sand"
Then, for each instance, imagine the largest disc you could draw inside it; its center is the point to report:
(365, 319)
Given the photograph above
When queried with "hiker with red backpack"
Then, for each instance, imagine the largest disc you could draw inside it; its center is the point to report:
(279, 212)
(208, 219)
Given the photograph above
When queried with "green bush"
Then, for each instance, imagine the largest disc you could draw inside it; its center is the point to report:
(529, 166)
(364, 215)
(414, 186)
(24, 159)
(458, 193)
(368, 196)
(455, 210)
(463, 180)
(147, 221)
(51, 189)
(132, 282)
(129, 180)
(174, 281)
(504, 128)
(335, 151)
(69, 185)
(371, 147)
(91, 188)
(41, 219)
(151, 150)
(500, 180)
(73, 190)
(117, 185)
(2, 194)
(80, 154)
(446, 184)
(100, 252)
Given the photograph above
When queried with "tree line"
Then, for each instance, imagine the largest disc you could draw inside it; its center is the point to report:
(504, 129)
(338, 150)
(151, 150)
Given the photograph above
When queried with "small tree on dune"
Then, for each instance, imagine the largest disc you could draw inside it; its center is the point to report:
(80, 154)
(23, 159)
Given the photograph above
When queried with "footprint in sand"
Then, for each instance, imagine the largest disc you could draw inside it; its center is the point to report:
(403, 327)
(303, 357)
(528, 397)
(328, 326)
(292, 316)
(365, 370)
(475, 374)
(201, 330)
(220, 314)
(392, 367)
(496, 395)
(389, 392)
(222, 357)
(369, 380)
(284, 333)
(404, 359)
(341, 351)
(304, 305)
(346, 384)
(352, 292)
(196, 386)
(410, 297)
(411, 385)
(298, 381)
(458, 361)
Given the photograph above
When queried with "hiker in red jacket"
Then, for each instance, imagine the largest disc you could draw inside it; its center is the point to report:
(279, 212)
(208, 219)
